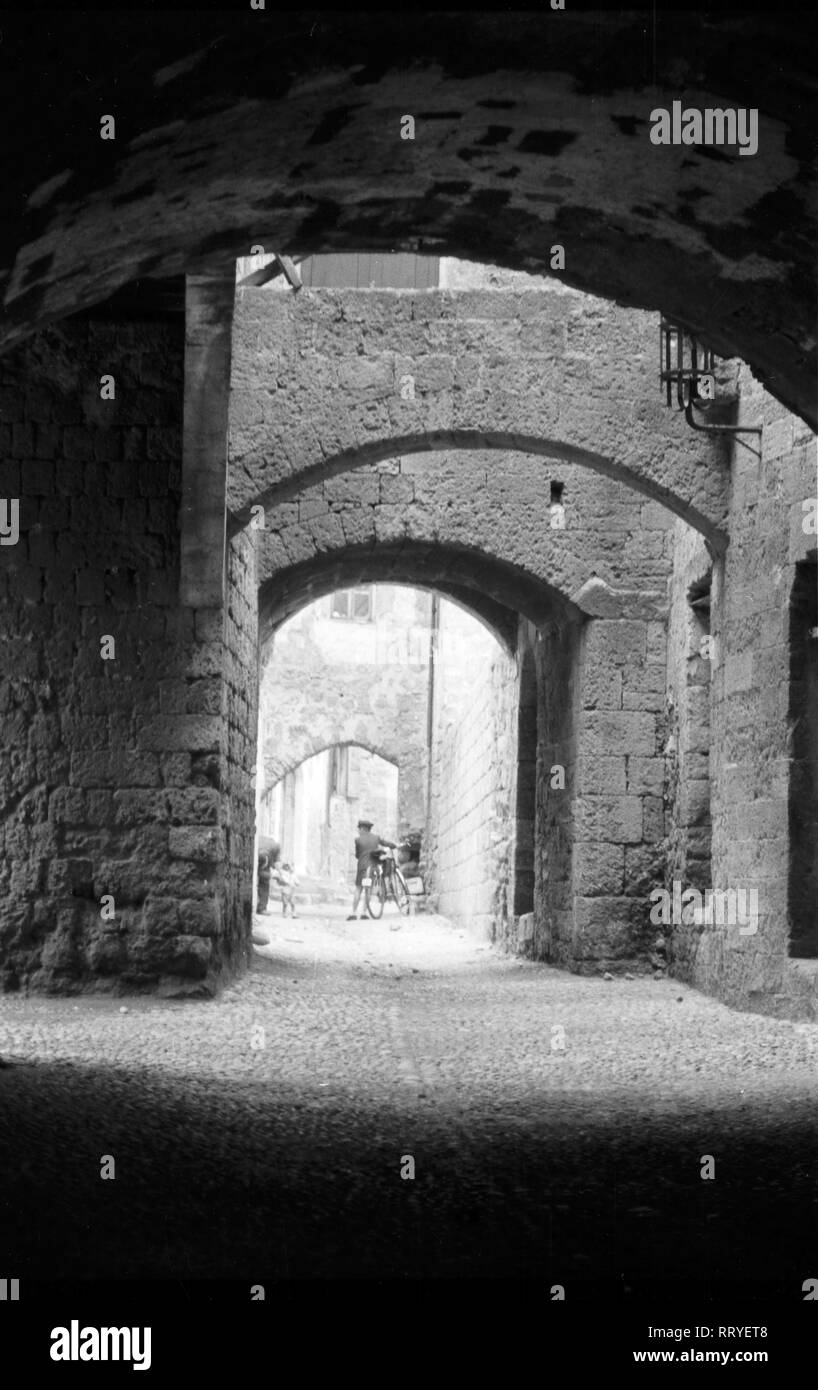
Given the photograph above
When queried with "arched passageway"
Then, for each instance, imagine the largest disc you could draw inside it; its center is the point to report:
(650, 701)
(311, 811)
(167, 780)
(425, 682)
(423, 564)
(347, 675)
(584, 809)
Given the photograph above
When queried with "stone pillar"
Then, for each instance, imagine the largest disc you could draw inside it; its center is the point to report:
(619, 814)
(125, 795)
(599, 846)
(753, 731)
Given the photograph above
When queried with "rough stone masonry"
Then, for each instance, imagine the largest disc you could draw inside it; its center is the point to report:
(132, 777)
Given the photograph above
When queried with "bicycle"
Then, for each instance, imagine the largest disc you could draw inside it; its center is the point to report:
(385, 881)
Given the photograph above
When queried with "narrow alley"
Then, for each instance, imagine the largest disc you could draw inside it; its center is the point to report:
(408, 507)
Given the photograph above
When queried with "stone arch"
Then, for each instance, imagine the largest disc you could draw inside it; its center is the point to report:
(437, 440)
(284, 594)
(491, 589)
(317, 829)
(476, 533)
(233, 147)
(317, 393)
(316, 693)
(311, 746)
(495, 591)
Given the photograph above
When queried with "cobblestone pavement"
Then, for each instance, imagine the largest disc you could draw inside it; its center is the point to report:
(278, 1153)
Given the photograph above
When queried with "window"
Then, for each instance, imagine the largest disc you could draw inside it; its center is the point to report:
(353, 604)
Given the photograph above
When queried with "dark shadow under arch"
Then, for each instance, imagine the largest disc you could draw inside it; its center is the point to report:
(233, 146)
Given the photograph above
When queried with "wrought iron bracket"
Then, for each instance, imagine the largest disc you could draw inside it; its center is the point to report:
(685, 379)
(718, 429)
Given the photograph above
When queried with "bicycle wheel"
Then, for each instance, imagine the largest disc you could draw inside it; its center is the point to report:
(401, 893)
(376, 896)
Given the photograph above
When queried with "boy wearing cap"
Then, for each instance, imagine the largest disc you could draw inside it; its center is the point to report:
(367, 844)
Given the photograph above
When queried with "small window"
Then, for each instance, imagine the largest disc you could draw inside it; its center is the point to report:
(361, 604)
(698, 596)
(353, 604)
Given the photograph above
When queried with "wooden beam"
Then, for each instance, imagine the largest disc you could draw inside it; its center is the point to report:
(280, 265)
(261, 277)
(290, 271)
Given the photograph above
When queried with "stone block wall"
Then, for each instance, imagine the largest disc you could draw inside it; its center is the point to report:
(114, 778)
(490, 503)
(751, 729)
(595, 799)
(514, 369)
(654, 746)
(600, 814)
(557, 655)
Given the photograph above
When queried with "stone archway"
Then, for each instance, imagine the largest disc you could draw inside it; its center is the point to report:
(312, 808)
(444, 519)
(311, 745)
(615, 654)
(493, 589)
(284, 589)
(321, 689)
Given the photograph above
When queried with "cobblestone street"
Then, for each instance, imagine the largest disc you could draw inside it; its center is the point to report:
(242, 1153)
